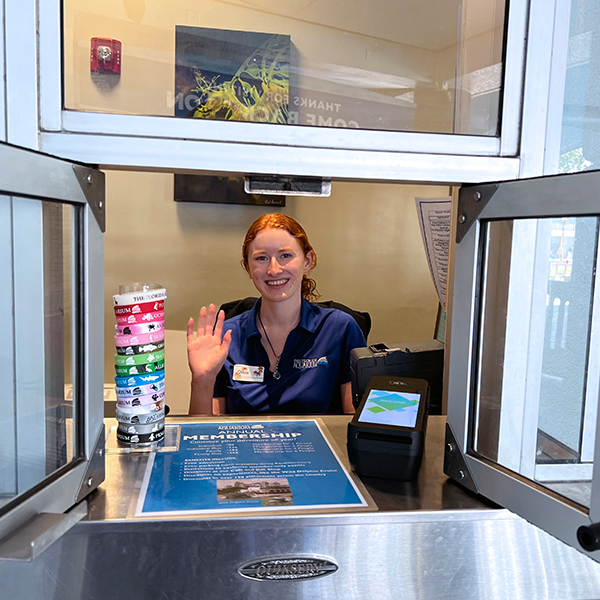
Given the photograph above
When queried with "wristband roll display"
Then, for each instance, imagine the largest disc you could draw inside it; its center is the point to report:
(140, 363)
(136, 340)
(139, 318)
(141, 328)
(139, 297)
(134, 309)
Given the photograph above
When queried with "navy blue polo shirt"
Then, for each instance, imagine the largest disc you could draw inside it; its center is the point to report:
(314, 363)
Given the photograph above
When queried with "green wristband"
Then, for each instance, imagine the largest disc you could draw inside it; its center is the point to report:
(140, 369)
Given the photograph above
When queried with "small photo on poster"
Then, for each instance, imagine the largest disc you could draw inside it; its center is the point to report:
(231, 75)
(271, 492)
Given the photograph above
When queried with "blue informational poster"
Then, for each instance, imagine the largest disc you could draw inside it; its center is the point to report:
(247, 466)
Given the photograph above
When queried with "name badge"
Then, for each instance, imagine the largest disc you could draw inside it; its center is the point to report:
(247, 373)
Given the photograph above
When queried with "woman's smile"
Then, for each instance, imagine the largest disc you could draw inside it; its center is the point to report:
(277, 282)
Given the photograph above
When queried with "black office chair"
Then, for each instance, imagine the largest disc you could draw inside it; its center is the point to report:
(237, 307)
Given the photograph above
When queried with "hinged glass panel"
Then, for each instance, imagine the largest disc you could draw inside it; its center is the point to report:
(524, 375)
(39, 267)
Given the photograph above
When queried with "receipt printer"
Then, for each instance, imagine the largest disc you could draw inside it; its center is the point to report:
(420, 360)
(386, 436)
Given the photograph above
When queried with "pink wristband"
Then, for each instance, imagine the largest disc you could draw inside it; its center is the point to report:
(148, 317)
(136, 340)
(142, 328)
(144, 307)
(141, 400)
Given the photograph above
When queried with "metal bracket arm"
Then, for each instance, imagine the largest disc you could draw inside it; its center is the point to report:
(37, 534)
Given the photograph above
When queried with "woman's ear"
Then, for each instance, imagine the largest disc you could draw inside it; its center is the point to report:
(309, 261)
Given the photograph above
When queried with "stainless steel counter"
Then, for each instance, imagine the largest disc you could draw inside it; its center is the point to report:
(430, 539)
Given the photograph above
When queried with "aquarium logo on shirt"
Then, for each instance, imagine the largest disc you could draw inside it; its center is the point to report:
(309, 363)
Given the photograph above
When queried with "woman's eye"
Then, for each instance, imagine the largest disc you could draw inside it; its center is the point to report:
(286, 255)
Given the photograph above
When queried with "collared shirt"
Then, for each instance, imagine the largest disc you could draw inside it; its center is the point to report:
(314, 363)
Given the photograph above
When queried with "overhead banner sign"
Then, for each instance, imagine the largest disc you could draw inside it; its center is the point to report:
(247, 466)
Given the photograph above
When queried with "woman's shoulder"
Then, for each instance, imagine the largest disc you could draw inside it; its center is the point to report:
(344, 314)
(328, 312)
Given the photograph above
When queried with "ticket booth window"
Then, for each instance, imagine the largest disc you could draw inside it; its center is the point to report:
(432, 66)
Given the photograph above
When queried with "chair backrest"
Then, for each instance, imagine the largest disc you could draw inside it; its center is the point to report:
(237, 307)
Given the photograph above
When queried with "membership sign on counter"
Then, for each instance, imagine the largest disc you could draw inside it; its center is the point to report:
(247, 466)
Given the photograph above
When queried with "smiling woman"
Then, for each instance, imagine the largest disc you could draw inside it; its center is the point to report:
(286, 355)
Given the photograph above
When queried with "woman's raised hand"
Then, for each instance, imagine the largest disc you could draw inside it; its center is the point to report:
(208, 350)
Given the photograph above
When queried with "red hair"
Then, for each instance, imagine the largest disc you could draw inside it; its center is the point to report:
(281, 221)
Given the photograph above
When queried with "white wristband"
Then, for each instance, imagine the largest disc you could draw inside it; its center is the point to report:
(137, 297)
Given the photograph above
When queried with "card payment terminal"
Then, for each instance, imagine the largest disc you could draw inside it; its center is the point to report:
(386, 436)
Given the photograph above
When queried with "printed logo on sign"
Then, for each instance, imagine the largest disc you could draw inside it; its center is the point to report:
(310, 363)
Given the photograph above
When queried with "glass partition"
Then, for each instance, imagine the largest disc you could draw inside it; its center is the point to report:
(427, 66)
(580, 134)
(537, 384)
(39, 271)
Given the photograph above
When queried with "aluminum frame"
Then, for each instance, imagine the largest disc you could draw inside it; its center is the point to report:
(573, 195)
(30, 174)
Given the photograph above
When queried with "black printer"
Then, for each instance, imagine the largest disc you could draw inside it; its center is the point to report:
(421, 360)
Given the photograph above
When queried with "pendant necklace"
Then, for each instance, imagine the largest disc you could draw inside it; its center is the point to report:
(276, 374)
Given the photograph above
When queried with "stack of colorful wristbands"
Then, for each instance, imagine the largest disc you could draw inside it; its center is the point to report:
(140, 364)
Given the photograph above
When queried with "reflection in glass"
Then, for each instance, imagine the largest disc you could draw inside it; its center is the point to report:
(38, 268)
(426, 65)
(535, 415)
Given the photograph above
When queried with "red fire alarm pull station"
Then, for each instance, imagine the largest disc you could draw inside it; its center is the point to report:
(105, 56)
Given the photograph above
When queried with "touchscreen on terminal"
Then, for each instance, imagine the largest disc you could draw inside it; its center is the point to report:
(386, 435)
(387, 407)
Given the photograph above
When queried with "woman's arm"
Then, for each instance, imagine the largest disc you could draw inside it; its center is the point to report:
(346, 391)
(207, 352)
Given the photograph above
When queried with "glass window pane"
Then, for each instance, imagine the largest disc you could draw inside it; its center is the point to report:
(580, 139)
(427, 65)
(38, 270)
(534, 413)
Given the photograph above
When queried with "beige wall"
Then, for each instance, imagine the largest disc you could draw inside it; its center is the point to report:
(366, 236)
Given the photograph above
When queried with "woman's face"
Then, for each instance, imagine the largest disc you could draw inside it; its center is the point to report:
(277, 263)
